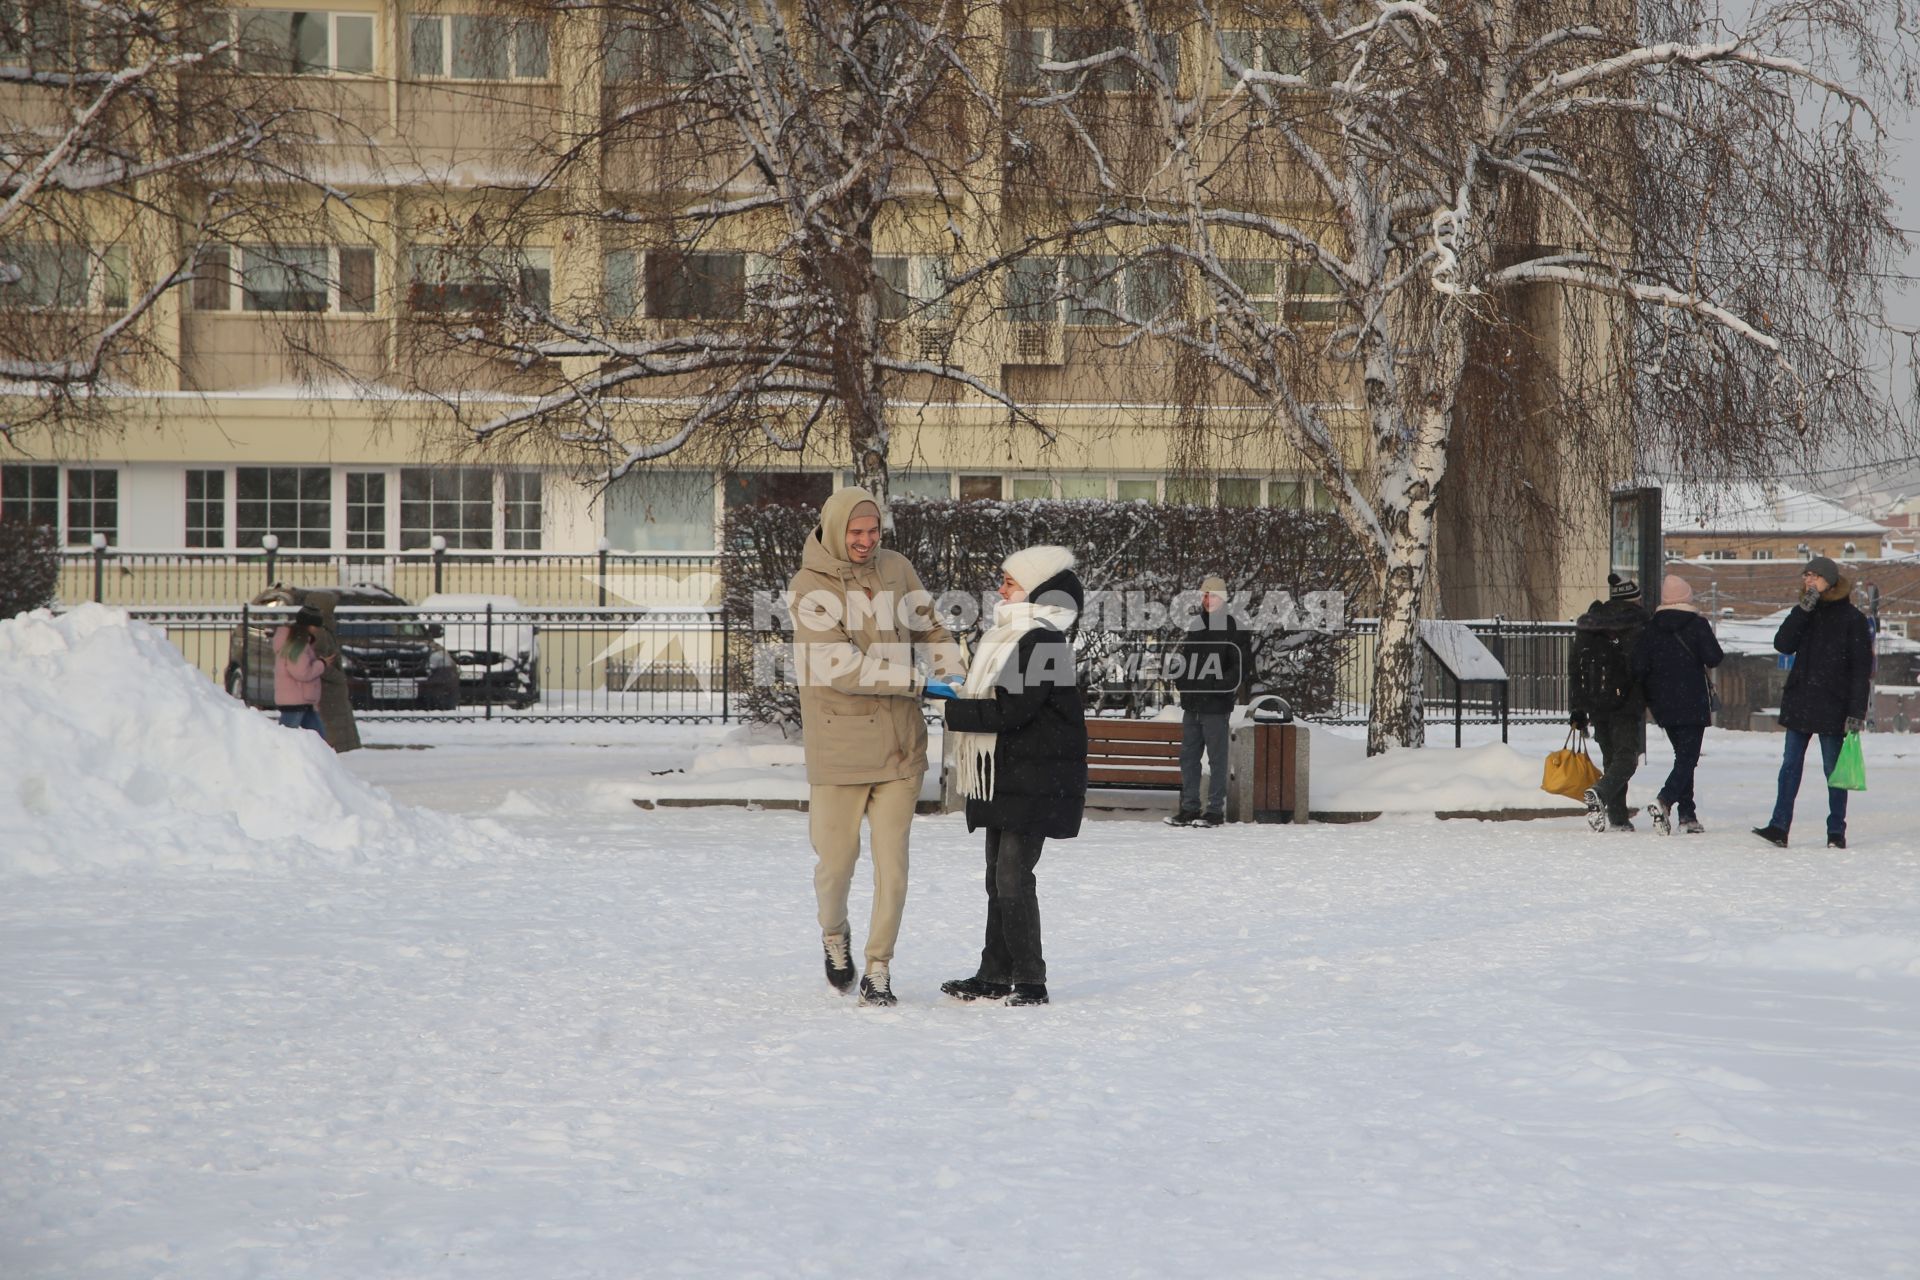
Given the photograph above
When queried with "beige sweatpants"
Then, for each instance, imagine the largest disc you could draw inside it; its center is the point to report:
(833, 820)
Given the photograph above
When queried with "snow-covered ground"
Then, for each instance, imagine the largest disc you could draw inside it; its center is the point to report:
(528, 1030)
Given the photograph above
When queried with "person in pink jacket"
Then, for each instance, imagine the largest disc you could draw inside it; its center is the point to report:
(296, 673)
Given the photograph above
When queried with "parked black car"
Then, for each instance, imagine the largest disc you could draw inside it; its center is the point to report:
(391, 664)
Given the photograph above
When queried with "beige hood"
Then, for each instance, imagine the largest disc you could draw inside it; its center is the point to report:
(836, 516)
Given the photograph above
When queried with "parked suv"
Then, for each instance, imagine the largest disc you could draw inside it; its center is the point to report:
(498, 663)
(391, 664)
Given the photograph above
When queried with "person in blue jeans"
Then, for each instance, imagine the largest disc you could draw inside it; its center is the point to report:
(1826, 694)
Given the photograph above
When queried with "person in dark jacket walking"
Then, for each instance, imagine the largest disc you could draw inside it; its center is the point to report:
(1826, 694)
(1017, 737)
(1602, 693)
(1670, 663)
(1211, 665)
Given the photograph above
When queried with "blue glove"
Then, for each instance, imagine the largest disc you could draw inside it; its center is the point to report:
(942, 687)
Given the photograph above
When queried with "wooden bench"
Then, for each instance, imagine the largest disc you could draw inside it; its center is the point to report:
(1133, 753)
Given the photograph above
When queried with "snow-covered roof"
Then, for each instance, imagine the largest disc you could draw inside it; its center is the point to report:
(1749, 507)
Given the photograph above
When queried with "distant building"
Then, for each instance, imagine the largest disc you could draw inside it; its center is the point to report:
(1752, 521)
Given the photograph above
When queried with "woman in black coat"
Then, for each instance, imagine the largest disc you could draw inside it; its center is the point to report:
(1017, 737)
(1670, 662)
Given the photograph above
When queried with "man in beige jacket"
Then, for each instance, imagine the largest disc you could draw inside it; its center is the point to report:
(864, 637)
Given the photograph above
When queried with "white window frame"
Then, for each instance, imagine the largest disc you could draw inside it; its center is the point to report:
(70, 532)
(105, 288)
(228, 25)
(220, 528)
(509, 36)
(232, 262)
(509, 504)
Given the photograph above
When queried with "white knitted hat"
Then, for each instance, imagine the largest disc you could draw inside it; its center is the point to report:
(1033, 566)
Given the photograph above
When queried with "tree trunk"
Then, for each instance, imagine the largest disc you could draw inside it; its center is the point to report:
(1396, 717)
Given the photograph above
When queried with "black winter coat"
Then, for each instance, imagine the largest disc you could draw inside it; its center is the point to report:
(1832, 675)
(1040, 723)
(1606, 621)
(1215, 658)
(1670, 661)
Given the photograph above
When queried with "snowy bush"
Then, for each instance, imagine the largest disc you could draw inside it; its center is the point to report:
(29, 566)
(1148, 550)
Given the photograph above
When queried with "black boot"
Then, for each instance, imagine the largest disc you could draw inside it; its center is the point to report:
(1184, 818)
(1028, 993)
(1772, 835)
(976, 989)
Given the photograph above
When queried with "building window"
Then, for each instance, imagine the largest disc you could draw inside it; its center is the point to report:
(30, 492)
(521, 503)
(921, 484)
(912, 286)
(1028, 488)
(290, 278)
(59, 37)
(294, 504)
(444, 280)
(1763, 555)
(301, 42)
(660, 511)
(979, 488)
(1256, 280)
(1189, 491)
(206, 508)
(1239, 491)
(366, 510)
(1278, 50)
(1313, 296)
(454, 503)
(1136, 490)
(1072, 44)
(778, 488)
(93, 505)
(1083, 488)
(62, 277)
(471, 46)
(696, 286)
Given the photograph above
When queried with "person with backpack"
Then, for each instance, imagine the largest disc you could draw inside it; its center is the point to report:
(1603, 694)
(1671, 662)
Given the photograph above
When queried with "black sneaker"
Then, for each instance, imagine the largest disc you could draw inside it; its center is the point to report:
(976, 989)
(1028, 993)
(1596, 810)
(1621, 827)
(1661, 812)
(838, 947)
(1692, 826)
(1211, 820)
(1184, 818)
(1772, 835)
(1836, 842)
(877, 987)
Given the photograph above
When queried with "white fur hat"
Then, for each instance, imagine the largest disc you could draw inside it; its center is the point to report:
(1033, 566)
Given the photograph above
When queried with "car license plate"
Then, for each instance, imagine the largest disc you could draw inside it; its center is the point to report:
(395, 690)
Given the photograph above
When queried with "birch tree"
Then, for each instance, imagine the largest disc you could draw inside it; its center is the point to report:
(1372, 204)
(762, 210)
(128, 148)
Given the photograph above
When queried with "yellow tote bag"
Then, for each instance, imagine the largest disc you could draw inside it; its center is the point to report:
(1570, 770)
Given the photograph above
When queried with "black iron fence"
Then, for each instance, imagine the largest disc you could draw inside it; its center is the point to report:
(672, 663)
(586, 663)
(601, 579)
(1533, 653)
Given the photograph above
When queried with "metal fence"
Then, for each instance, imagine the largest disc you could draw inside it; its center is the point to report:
(684, 663)
(533, 579)
(513, 665)
(1533, 653)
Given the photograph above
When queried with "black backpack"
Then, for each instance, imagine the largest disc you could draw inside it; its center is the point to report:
(1603, 670)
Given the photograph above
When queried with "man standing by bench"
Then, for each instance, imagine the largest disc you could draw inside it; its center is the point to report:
(1211, 665)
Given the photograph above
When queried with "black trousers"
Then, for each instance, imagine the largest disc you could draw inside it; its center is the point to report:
(1678, 790)
(1622, 738)
(1012, 949)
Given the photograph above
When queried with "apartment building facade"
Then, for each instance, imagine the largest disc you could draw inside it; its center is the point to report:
(290, 404)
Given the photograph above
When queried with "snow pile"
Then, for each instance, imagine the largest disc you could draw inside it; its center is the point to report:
(1865, 955)
(116, 754)
(1437, 779)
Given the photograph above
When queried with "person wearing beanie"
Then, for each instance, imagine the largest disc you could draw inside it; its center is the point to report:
(1210, 669)
(297, 671)
(1017, 740)
(1604, 695)
(1671, 661)
(863, 630)
(1826, 693)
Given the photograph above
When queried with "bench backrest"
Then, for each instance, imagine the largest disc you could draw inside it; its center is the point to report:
(1133, 753)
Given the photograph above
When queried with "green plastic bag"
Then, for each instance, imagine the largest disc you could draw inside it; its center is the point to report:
(1850, 770)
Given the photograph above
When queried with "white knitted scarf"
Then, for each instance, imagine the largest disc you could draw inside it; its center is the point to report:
(972, 753)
